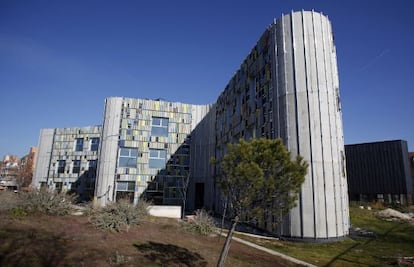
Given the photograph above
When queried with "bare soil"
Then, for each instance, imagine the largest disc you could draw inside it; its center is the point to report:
(73, 241)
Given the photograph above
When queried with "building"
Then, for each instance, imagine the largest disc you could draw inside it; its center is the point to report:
(9, 172)
(67, 160)
(286, 88)
(411, 160)
(379, 171)
(145, 149)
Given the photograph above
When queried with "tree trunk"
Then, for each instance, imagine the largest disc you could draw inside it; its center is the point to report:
(226, 246)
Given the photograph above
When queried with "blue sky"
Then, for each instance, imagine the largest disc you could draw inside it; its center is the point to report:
(59, 60)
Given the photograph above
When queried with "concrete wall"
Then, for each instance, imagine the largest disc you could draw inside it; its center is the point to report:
(128, 123)
(104, 186)
(43, 157)
(309, 120)
(288, 88)
(165, 211)
(201, 150)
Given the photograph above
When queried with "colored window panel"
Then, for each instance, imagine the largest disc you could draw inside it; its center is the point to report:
(159, 126)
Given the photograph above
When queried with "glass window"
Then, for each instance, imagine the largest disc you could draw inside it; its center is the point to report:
(76, 166)
(94, 144)
(157, 158)
(92, 165)
(79, 144)
(128, 157)
(61, 166)
(159, 126)
(125, 186)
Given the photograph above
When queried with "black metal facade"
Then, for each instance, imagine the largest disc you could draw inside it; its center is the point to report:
(379, 171)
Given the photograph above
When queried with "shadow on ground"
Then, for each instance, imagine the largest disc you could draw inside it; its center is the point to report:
(167, 254)
(31, 248)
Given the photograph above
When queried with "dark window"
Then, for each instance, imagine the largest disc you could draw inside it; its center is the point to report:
(92, 164)
(61, 166)
(94, 144)
(79, 144)
(128, 157)
(76, 166)
(159, 126)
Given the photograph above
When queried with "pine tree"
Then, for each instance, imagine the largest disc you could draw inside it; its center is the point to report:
(259, 179)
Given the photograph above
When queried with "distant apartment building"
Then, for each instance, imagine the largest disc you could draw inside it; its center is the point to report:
(67, 159)
(286, 88)
(379, 171)
(9, 172)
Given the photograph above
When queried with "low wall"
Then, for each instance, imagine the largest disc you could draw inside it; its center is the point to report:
(165, 211)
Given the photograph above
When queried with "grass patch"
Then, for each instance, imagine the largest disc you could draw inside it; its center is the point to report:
(393, 239)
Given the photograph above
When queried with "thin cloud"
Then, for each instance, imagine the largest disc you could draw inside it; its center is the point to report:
(374, 60)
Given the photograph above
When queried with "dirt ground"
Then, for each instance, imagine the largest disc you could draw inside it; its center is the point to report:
(73, 241)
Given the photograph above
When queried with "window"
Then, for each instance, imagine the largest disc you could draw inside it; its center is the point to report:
(94, 144)
(79, 144)
(159, 126)
(58, 186)
(125, 186)
(128, 157)
(76, 166)
(92, 165)
(157, 158)
(61, 166)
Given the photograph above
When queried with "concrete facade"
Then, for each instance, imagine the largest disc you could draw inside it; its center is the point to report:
(145, 149)
(67, 160)
(287, 88)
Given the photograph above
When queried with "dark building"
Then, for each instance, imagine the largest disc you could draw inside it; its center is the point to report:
(379, 171)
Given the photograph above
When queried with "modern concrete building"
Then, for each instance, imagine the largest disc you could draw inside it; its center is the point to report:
(145, 149)
(67, 159)
(286, 88)
(379, 171)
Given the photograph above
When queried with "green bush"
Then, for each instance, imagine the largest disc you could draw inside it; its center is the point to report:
(202, 223)
(119, 216)
(46, 201)
(17, 212)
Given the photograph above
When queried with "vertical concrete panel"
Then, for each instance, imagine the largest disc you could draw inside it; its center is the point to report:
(324, 127)
(44, 153)
(315, 127)
(332, 154)
(109, 150)
(313, 122)
(303, 121)
(290, 113)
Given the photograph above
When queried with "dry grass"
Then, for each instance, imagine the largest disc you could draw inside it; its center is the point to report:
(42, 240)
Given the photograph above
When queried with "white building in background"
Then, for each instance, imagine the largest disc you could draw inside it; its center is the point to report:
(286, 88)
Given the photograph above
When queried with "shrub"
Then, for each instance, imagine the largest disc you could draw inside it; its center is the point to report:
(46, 201)
(17, 212)
(118, 259)
(202, 223)
(119, 216)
